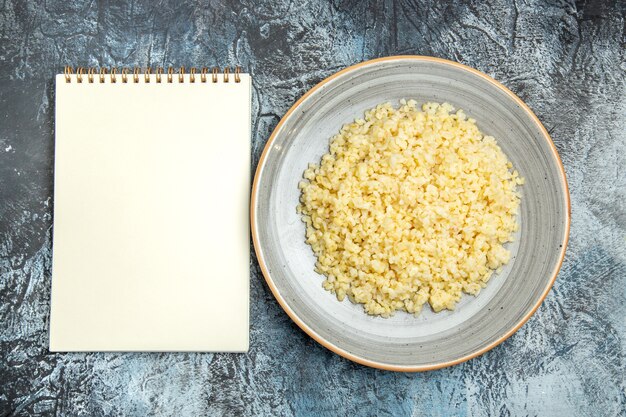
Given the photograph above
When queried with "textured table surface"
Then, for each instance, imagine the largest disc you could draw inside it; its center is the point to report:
(565, 59)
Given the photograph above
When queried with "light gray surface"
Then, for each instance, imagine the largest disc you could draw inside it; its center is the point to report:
(403, 340)
(564, 58)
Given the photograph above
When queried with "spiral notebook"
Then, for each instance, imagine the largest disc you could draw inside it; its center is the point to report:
(151, 232)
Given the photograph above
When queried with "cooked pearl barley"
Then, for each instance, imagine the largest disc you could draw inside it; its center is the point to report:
(409, 207)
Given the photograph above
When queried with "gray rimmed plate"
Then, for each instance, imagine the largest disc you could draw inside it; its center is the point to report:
(431, 340)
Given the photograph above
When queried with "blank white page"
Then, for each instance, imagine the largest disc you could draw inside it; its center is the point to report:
(151, 232)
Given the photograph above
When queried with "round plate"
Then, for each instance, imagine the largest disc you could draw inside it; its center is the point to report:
(431, 340)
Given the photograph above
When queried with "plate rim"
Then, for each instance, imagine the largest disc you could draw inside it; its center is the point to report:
(338, 350)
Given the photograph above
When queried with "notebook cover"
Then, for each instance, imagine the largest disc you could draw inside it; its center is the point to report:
(151, 230)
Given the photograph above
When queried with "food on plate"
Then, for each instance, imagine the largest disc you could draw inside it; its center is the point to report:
(410, 206)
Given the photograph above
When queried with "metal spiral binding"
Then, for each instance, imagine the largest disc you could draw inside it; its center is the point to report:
(113, 75)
